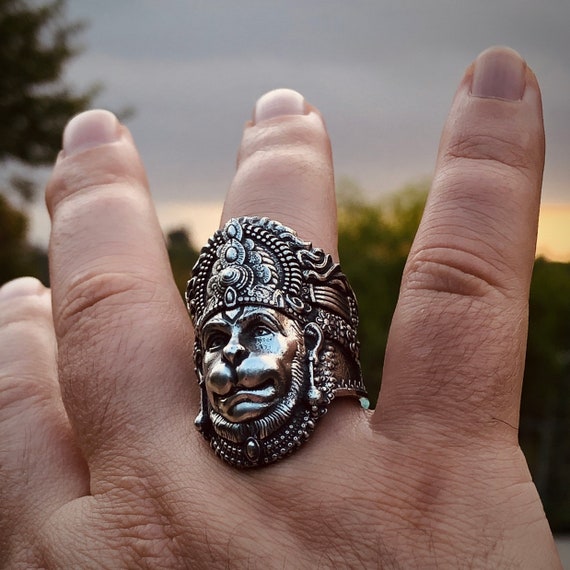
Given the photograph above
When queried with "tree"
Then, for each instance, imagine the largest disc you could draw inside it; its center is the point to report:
(13, 228)
(35, 103)
(17, 257)
(374, 241)
(545, 409)
(182, 256)
(36, 42)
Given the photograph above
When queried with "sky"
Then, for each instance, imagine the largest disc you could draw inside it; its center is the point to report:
(382, 72)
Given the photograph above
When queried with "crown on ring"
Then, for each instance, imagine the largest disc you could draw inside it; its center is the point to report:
(258, 261)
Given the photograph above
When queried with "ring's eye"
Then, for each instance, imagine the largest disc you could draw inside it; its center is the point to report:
(216, 340)
(262, 330)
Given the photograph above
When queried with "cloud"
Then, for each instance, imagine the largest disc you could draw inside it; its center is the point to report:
(382, 73)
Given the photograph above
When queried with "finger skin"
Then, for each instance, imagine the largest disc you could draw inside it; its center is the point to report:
(360, 499)
(40, 466)
(456, 350)
(454, 363)
(123, 334)
(285, 172)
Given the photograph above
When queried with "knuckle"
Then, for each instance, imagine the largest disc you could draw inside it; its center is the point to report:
(452, 271)
(24, 310)
(99, 168)
(22, 392)
(100, 295)
(500, 149)
(278, 179)
(467, 246)
(269, 164)
(25, 330)
(295, 131)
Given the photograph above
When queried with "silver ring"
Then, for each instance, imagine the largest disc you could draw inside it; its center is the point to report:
(275, 340)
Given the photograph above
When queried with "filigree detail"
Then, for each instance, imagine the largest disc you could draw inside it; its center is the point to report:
(259, 262)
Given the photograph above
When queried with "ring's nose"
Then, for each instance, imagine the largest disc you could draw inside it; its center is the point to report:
(234, 352)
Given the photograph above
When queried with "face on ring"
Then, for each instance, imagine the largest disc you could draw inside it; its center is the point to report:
(247, 361)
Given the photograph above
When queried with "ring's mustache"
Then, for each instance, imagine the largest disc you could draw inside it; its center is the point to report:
(264, 393)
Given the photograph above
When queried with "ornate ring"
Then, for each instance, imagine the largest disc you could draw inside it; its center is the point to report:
(275, 340)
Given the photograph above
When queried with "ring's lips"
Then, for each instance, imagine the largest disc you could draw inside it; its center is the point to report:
(244, 403)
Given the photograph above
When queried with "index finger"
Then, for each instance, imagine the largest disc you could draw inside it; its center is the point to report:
(124, 339)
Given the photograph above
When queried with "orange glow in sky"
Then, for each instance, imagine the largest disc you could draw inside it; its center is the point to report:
(203, 218)
(554, 232)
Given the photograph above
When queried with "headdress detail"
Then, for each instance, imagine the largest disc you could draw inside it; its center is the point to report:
(257, 261)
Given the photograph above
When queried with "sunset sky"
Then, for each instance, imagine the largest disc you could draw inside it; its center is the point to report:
(382, 72)
(202, 217)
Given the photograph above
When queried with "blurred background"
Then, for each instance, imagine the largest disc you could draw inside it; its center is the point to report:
(185, 74)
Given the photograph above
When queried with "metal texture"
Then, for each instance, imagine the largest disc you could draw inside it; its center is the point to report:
(275, 322)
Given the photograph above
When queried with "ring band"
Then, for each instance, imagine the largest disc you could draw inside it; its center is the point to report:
(275, 340)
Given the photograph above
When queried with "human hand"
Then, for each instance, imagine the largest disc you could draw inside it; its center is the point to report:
(118, 477)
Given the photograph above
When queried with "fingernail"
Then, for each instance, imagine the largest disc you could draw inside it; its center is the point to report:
(90, 129)
(499, 74)
(278, 103)
(21, 287)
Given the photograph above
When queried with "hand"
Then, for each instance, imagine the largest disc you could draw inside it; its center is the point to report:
(118, 477)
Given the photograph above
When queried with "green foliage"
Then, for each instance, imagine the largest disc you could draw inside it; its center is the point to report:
(374, 241)
(545, 409)
(36, 44)
(182, 256)
(17, 256)
(13, 230)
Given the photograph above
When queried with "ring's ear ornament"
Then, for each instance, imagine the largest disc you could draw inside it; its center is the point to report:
(313, 344)
(275, 322)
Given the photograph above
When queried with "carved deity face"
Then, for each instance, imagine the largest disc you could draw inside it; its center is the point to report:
(247, 362)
